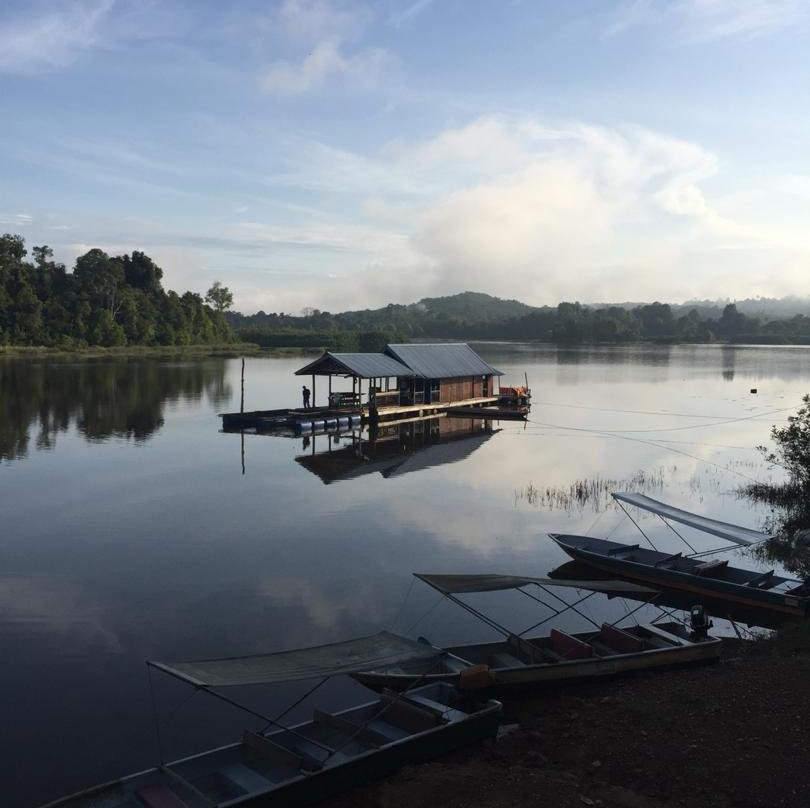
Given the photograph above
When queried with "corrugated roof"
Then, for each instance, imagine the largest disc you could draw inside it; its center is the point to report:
(359, 365)
(442, 360)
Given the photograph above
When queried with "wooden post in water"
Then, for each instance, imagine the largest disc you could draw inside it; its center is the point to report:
(242, 404)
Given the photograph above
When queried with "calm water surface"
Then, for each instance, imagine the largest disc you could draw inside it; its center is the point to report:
(130, 531)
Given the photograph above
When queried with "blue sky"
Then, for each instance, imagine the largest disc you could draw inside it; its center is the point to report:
(347, 154)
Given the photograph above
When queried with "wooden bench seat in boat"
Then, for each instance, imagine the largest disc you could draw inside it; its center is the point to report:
(525, 648)
(159, 795)
(710, 566)
(619, 640)
(504, 660)
(245, 778)
(403, 713)
(352, 730)
(764, 581)
(669, 561)
(625, 548)
(276, 752)
(569, 647)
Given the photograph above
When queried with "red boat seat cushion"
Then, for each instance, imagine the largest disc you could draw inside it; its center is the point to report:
(621, 641)
(569, 647)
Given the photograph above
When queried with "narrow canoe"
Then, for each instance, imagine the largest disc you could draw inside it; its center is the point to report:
(520, 664)
(756, 598)
(308, 762)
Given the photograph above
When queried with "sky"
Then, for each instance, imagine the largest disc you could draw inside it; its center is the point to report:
(346, 154)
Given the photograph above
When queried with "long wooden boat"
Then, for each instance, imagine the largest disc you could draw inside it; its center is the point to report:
(518, 663)
(756, 598)
(310, 761)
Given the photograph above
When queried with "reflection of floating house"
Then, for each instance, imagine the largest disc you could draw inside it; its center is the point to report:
(408, 379)
(395, 450)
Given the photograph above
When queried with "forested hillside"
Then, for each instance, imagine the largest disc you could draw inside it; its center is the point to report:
(104, 301)
(477, 316)
(119, 300)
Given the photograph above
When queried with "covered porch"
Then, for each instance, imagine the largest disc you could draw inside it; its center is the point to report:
(376, 370)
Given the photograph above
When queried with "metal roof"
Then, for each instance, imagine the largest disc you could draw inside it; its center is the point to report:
(359, 365)
(442, 360)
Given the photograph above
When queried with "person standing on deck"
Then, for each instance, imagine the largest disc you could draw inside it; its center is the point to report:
(305, 393)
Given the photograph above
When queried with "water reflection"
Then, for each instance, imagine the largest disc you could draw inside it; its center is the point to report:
(394, 450)
(123, 399)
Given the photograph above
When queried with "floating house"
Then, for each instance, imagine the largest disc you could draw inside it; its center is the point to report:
(407, 379)
(399, 384)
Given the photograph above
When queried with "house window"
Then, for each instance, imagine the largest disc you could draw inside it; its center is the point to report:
(435, 391)
(485, 386)
(419, 391)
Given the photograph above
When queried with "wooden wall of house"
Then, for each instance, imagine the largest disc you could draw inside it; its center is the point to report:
(456, 389)
(464, 387)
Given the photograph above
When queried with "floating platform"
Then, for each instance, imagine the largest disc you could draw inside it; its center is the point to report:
(322, 419)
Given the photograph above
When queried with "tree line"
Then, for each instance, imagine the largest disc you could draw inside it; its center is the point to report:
(467, 316)
(106, 300)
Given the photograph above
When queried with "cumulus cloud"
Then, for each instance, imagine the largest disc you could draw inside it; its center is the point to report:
(547, 212)
(514, 206)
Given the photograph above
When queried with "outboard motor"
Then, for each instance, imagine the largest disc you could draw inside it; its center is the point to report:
(700, 623)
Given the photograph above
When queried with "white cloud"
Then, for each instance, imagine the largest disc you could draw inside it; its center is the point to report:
(517, 207)
(706, 20)
(361, 69)
(53, 39)
(315, 20)
(324, 34)
(15, 219)
(410, 12)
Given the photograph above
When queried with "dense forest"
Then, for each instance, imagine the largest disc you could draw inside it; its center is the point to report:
(105, 301)
(472, 315)
(119, 300)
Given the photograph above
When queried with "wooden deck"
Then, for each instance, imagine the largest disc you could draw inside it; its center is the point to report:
(426, 409)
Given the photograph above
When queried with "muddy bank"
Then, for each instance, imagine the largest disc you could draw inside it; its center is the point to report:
(736, 733)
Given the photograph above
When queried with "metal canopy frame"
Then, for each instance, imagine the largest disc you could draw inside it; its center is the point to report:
(523, 589)
(441, 655)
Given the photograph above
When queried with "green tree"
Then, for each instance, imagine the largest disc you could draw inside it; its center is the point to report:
(219, 297)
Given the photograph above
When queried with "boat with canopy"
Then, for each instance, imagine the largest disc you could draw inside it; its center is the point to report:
(279, 765)
(518, 661)
(748, 596)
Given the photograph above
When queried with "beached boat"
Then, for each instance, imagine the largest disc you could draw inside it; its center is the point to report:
(756, 598)
(748, 596)
(517, 662)
(307, 762)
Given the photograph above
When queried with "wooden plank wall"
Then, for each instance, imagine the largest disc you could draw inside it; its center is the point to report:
(461, 388)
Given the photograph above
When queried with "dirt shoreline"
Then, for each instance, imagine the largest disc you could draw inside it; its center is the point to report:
(735, 733)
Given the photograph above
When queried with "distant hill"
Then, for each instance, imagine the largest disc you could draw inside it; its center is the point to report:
(474, 306)
(478, 316)
(774, 308)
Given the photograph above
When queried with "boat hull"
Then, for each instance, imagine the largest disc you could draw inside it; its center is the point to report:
(509, 680)
(301, 790)
(720, 598)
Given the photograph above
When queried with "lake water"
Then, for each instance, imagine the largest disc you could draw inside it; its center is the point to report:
(134, 529)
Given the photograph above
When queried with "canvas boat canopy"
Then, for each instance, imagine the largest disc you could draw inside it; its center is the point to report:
(364, 653)
(459, 584)
(733, 533)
